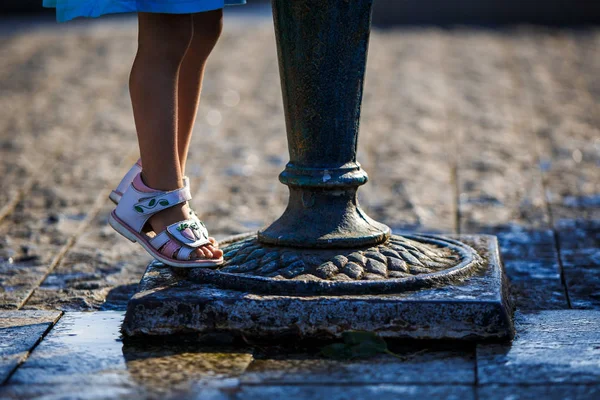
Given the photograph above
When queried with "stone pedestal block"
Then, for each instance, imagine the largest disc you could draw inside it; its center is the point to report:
(470, 305)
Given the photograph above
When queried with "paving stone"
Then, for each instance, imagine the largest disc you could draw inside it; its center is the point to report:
(19, 332)
(416, 364)
(531, 263)
(343, 392)
(86, 349)
(500, 185)
(70, 391)
(89, 279)
(45, 223)
(411, 180)
(80, 347)
(535, 392)
(579, 241)
(565, 104)
(556, 346)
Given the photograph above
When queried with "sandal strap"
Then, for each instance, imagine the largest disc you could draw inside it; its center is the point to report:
(181, 239)
(154, 203)
(137, 206)
(189, 233)
(184, 253)
(160, 240)
(171, 249)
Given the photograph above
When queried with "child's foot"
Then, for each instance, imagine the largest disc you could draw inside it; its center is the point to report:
(181, 212)
(160, 222)
(117, 193)
(165, 218)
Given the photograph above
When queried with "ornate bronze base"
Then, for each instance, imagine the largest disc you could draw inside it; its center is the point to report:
(401, 263)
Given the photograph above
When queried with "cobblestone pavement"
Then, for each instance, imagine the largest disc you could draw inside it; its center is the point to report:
(463, 131)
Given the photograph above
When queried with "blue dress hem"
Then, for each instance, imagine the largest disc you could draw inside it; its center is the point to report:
(71, 9)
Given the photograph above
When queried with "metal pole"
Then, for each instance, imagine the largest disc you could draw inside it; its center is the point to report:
(322, 48)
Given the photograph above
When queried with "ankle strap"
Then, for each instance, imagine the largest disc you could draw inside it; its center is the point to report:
(151, 203)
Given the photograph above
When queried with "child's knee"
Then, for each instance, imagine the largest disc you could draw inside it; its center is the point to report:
(166, 35)
(208, 27)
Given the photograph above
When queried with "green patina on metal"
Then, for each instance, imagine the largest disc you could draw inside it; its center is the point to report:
(322, 48)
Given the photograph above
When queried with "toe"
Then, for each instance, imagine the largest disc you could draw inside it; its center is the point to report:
(214, 253)
(214, 242)
(217, 253)
(207, 252)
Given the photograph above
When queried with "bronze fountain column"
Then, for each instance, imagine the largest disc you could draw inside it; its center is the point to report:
(325, 266)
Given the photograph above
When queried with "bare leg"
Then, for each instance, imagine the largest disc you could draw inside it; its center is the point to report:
(207, 27)
(163, 42)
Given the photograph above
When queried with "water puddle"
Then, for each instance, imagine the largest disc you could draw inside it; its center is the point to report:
(87, 348)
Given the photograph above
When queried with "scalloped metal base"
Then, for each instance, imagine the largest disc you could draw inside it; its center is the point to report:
(400, 264)
(171, 301)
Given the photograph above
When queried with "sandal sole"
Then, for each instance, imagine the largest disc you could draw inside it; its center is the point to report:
(135, 237)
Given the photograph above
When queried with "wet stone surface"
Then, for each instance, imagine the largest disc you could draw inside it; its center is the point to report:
(537, 392)
(550, 347)
(532, 267)
(417, 363)
(79, 349)
(580, 254)
(19, 332)
(343, 392)
(85, 350)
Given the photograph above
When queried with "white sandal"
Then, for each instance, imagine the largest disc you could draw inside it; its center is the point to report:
(176, 244)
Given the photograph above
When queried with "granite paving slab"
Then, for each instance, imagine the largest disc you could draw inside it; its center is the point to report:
(85, 350)
(411, 182)
(64, 198)
(564, 103)
(536, 392)
(20, 331)
(551, 347)
(531, 262)
(343, 392)
(415, 364)
(579, 241)
(82, 347)
(500, 187)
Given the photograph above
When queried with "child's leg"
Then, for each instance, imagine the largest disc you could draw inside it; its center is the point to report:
(207, 27)
(163, 41)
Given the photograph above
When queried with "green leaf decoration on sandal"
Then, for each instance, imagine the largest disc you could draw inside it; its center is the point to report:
(151, 204)
(182, 227)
